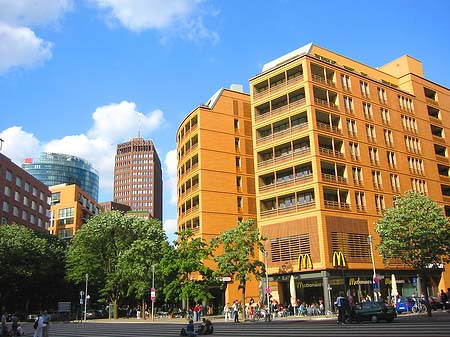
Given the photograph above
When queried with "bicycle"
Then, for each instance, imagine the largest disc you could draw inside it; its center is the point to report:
(418, 307)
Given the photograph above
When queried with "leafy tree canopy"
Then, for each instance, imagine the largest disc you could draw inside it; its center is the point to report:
(416, 231)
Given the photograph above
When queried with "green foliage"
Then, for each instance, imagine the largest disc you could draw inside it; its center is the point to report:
(32, 265)
(183, 268)
(118, 253)
(239, 258)
(416, 231)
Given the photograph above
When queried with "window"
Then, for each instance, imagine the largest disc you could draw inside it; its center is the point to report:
(433, 112)
(382, 97)
(26, 201)
(56, 198)
(354, 151)
(409, 124)
(18, 181)
(15, 211)
(27, 186)
(415, 165)
(239, 182)
(357, 175)
(385, 116)
(373, 154)
(360, 201)
(5, 206)
(430, 94)
(419, 185)
(367, 108)
(406, 103)
(391, 159)
(24, 215)
(379, 203)
(388, 138)
(236, 123)
(364, 86)
(66, 212)
(8, 175)
(238, 162)
(371, 135)
(377, 180)
(395, 183)
(346, 83)
(240, 202)
(7, 191)
(34, 191)
(237, 143)
(412, 144)
(348, 104)
(17, 196)
(351, 127)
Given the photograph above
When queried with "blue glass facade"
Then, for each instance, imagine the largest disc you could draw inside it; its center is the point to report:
(56, 168)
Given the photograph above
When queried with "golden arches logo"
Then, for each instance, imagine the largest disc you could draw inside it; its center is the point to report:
(304, 261)
(338, 259)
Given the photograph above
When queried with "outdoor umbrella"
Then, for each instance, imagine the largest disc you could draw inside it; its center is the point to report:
(394, 291)
(292, 289)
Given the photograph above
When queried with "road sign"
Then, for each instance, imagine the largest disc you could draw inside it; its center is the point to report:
(268, 290)
(226, 279)
(153, 294)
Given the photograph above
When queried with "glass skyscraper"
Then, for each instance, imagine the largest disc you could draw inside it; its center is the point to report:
(57, 168)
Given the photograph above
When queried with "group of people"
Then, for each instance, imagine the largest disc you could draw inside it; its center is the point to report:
(16, 329)
(206, 328)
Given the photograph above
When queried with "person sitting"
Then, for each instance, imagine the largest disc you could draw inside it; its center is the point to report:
(206, 328)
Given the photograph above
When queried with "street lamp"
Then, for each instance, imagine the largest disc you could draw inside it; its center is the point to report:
(153, 294)
(374, 279)
(267, 285)
(86, 296)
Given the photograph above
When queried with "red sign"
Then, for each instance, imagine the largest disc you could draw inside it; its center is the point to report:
(268, 290)
(153, 294)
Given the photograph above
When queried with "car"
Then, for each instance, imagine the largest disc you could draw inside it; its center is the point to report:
(373, 312)
(404, 304)
(435, 302)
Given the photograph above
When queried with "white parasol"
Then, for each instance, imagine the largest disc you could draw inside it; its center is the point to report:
(394, 291)
(292, 289)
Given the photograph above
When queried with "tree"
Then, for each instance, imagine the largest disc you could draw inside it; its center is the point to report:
(239, 258)
(187, 277)
(117, 252)
(417, 232)
(33, 267)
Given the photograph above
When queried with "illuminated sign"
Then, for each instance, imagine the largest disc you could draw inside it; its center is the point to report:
(354, 282)
(312, 284)
(338, 259)
(304, 261)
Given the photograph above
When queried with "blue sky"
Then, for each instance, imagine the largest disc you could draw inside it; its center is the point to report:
(76, 76)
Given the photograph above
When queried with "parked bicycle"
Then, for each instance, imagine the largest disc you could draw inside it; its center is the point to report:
(418, 307)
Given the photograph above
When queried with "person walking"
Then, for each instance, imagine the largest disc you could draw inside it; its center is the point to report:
(14, 324)
(38, 326)
(236, 311)
(341, 303)
(226, 312)
(46, 320)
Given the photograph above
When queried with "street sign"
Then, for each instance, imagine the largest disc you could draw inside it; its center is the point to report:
(226, 279)
(268, 290)
(153, 294)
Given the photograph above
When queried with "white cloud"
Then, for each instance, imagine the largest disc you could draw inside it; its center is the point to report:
(170, 181)
(181, 16)
(20, 47)
(19, 144)
(26, 12)
(170, 227)
(117, 122)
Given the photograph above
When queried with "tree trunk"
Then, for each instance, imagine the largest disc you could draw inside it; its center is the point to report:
(116, 310)
(427, 301)
(243, 302)
(143, 308)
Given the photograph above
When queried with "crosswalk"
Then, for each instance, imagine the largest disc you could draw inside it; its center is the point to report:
(291, 328)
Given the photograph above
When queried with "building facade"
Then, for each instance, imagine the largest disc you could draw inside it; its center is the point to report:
(334, 142)
(138, 178)
(215, 172)
(57, 168)
(70, 209)
(23, 198)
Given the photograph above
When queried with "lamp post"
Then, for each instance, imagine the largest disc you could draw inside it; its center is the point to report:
(86, 297)
(153, 295)
(375, 284)
(267, 285)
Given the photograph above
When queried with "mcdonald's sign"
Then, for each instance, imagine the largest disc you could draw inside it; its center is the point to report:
(339, 259)
(304, 261)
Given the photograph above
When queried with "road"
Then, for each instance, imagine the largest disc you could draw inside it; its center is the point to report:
(404, 325)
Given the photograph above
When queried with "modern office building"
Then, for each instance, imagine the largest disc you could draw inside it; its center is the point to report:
(334, 141)
(108, 206)
(57, 168)
(70, 209)
(215, 171)
(23, 198)
(138, 177)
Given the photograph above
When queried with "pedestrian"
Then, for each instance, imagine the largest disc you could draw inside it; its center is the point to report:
(236, 311)
(46, 320)
(14, 324)
(342, 305)
(206, 328)
(226, 312)
(190, 329)
(38, 326)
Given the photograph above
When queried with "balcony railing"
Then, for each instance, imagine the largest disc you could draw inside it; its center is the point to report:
(334, 178)
(277, 135)
(323, 80)
(285, 183)
(337, 205)
(288, 156)
(330, 152)
(326, 103)
(328, 127)
(272, 112)
(277, 87)
(290, 209)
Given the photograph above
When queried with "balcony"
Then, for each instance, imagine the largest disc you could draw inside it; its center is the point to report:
(331, 204)
(326, 103)
(278, 135)
(289, 209)
(330, 152)
(334, 178)
(289, 156)
(261, 114)
(286, 183)
(323, 80)
(328, 127)
(278, 83)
